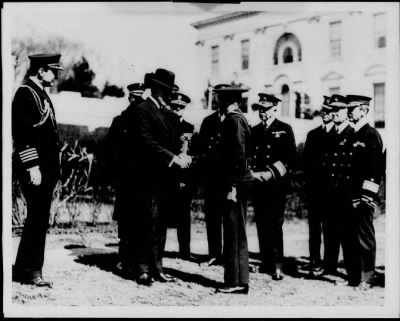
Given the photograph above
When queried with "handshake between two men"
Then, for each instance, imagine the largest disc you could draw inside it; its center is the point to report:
(182, 160)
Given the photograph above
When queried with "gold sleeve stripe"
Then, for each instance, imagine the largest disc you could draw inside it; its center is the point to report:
(280, 167)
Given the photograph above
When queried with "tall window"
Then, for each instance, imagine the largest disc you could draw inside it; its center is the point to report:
(287, 55)
(245, 54)
(214, 60)
(379, 104)
(335, 38)
(285, 105)
(379, 30)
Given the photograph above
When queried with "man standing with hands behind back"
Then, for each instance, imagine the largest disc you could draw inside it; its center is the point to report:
(36, 157)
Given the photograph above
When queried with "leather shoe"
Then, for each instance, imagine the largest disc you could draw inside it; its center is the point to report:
(326, 272)
(364, 286)
(40, 282)
(239, 289)
(161, 277)
(144, 279)
(188, 257)
(277, 276)
(215, 261)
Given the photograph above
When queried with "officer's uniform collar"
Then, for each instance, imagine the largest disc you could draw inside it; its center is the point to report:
(37, 82)
(268, 122)
(360, 124)
(341, 127)
(327, 127)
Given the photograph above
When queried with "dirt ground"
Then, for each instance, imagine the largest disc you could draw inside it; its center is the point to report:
(82, 266)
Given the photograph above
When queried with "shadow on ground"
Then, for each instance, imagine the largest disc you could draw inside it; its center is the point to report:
(107, 260)
(298, 267)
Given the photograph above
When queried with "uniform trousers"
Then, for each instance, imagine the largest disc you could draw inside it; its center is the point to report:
(316, 207)
(342, 221)
(269, 208)
(149, 228)
(236, 254)
(124, 214)
(214, 202)
(184, 210)
(367, 241)
(30, 255)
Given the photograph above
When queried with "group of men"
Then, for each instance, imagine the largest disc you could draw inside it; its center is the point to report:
(344, 163)
(156, 156)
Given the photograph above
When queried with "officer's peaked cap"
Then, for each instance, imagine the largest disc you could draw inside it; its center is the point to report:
(338, 101)
(326, 103)
(180, 99)
(266, 101)
(136, 88)
(230, 90)
(358, 100)
(51, 61)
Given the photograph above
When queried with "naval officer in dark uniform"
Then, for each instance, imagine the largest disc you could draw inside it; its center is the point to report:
(36, 157)
(179, 196)
(317, 142)
(365, 179)
(236, 178)
(340, 217)
(119, 157)
(274, 155)
(152, 140)
(211, 168)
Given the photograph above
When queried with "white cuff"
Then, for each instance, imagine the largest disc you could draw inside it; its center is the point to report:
(32, 168)
(370, 186)
(172, 161)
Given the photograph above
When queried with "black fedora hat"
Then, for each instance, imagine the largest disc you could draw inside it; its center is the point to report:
(164, 78)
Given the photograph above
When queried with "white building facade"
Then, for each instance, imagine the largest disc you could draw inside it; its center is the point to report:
(299, 57)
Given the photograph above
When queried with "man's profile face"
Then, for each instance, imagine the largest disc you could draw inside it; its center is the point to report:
(326, 115)
(339, 115)
(355, 114)
(267, 113)
(178, 110)
(166, 95)
(47, 76)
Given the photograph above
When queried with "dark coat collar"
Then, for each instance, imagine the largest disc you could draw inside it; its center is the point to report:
(38, 90)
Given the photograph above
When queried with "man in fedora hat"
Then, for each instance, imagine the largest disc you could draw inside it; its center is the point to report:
(340, 219)
(317, 143)
(152, 136)
(236, 178)
(367, 171)
(210, 164)
(36, 160)
(119, 157)
(274, 155)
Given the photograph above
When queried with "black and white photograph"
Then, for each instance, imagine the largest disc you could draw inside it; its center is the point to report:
(181, 159)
